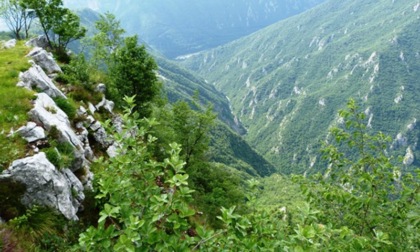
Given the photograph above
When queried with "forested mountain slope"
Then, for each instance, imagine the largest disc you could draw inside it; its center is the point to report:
(180, 84)
(180, 27)
(287, 82)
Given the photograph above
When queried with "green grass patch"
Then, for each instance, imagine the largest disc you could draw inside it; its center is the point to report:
(15, 102)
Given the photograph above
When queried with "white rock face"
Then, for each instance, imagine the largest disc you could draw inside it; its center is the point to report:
(106, 104)
(112, 150)
(48, 114)
(45, 60)
(9, 44)
(416, 7)
(91, 108)
(31, 132)
(46, 186)
(117, 122)
(401, 140)
(409, 157)
(101, 88)
(100, 135)
(412, 125)
(398, 99)
(36, 77)
(39, 41)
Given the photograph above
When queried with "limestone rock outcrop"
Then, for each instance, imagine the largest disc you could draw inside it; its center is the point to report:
(106, 104)
(49, 115)
(36, 77)
(31, 132)
(45, 60)
(101, 88)
(409, 157)
(40, 41)
(9, 44)
(45, 185)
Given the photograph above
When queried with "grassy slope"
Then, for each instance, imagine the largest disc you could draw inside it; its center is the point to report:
(15, 102)
(278, 78)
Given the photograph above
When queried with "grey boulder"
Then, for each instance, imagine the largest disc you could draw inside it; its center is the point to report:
(9, 44)
(46, 186)
(49, 115)
(36, 77)
(40, 41)
(101, 88)
(31, 132)
(45, 60)
(106, 104)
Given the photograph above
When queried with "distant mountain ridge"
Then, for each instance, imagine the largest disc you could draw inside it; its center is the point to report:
(179, 27)
(287, 81)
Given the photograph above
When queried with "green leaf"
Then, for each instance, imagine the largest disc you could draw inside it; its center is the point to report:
(109, 211)
(187, 212)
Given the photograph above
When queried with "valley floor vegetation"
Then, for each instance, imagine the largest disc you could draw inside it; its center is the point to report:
(163, 193)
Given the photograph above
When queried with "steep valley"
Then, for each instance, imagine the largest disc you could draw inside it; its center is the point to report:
(287, 82)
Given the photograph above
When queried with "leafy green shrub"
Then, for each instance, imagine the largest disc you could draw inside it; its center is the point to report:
(149, 205)
(363, 190)
(63, 78)
(362, 204)
(133, 73)
(77, 71)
